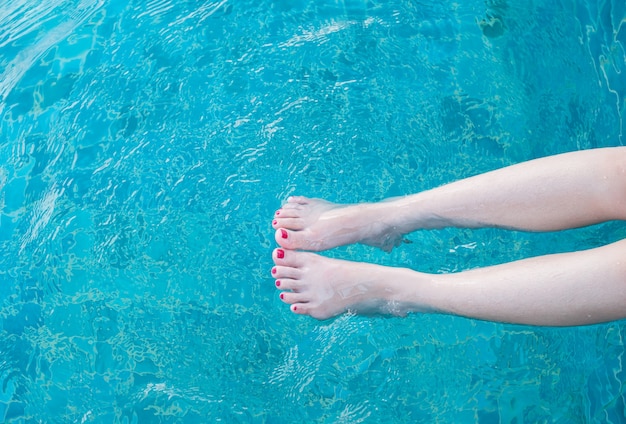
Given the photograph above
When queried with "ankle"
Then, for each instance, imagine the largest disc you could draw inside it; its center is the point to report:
(403, 214)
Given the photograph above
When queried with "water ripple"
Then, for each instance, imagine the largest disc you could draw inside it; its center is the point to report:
(319, 35)
(41, 214)
(47, 23)
(204, 11)
(156, 8)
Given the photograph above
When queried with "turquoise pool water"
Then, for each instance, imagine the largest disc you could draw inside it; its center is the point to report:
(145, 145)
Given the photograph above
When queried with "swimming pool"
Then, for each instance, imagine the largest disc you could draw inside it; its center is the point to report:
(145, 145)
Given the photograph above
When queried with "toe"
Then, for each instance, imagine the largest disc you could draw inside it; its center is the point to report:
(288, 212)
(278, 255)
(291, 207)
(285, 257)
(282, 272)
(294, 223)
(298, 200)
(287, 284)
(285, 238)
(289, 258)
(312, 310)
(300, 308)
(295, 240)
(292, 298)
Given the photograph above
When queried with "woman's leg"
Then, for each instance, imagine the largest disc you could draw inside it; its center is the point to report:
(553, 193)
(564, 289)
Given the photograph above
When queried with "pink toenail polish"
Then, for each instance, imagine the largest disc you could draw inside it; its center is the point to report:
(283, 233)
(282, 295)
(277, 283)
(274, 222)
(277, 212)
(274, 270)
(294, 308)
(280, 253)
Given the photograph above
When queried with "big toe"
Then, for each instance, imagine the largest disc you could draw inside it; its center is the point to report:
(290, 239)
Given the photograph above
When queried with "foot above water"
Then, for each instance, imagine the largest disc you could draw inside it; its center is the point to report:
(316, 224)
(323, 287)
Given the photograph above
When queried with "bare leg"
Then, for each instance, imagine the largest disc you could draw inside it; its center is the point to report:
(553, 193)
(565, 289)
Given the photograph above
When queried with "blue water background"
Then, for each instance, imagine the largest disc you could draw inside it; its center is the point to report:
(144, 146)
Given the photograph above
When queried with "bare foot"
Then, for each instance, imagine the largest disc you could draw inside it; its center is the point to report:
(323, 287)
(315, 224)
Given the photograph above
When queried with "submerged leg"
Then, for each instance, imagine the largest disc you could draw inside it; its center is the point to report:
(564, 289)
(553, 193)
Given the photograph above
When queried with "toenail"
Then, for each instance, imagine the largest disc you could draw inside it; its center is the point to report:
(274, 270)
(274, 222)
(282, 295)
(277, 283)
(280, 253)
(277, 212)
(283, 233)
(294, 308)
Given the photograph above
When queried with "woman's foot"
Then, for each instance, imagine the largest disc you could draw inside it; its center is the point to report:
(315, 224)
(323, 287)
